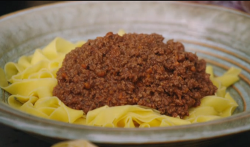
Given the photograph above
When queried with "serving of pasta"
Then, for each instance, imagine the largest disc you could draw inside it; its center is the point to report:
(31, 80)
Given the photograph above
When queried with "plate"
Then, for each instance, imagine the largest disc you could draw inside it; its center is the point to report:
(219, 35)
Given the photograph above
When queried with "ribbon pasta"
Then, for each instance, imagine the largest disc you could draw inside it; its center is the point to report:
(33, 78)
(221, 104)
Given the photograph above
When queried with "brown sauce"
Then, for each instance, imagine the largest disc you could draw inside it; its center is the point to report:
(133, 69)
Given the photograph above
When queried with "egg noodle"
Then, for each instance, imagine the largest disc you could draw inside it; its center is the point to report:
(31, 80)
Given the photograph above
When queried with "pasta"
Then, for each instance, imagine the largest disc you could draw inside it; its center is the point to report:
(33, 78)
(221, 104)
(74, 143)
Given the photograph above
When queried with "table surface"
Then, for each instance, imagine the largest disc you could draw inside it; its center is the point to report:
(10, 137)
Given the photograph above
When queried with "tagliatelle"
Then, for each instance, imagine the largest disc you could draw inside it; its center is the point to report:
(74, 143)
(33, 78)
(129, 116)
(218, 106)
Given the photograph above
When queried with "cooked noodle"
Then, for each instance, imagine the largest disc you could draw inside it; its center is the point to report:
(33, 78)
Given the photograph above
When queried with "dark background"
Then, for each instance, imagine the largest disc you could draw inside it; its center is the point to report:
(11, 6)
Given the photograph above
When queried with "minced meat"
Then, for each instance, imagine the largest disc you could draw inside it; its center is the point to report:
(133, 69)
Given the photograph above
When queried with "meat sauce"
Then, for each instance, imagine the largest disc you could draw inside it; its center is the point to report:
(133, 69)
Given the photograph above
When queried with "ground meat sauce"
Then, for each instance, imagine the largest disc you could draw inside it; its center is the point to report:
(135, 69)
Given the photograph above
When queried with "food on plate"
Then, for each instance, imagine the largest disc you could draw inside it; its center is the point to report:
(32, 79)
(133, 69)
(74, 143)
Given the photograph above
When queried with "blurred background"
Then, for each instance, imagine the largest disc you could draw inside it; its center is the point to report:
(11, 6)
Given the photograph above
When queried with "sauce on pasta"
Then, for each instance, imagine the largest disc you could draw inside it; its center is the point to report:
(31, 80)
(133, 69)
